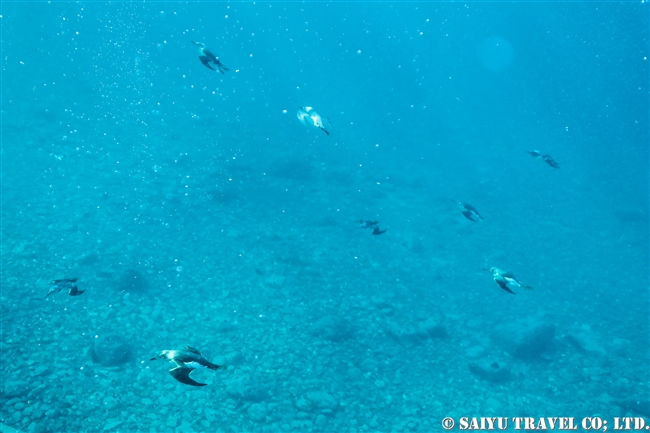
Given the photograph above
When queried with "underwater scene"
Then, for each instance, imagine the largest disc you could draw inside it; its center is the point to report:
(324, 216)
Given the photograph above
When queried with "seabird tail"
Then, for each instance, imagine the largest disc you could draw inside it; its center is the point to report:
(212, 366)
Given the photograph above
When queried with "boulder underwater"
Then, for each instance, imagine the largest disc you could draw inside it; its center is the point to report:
(132, 281)
(494, 373)
(636, 407)
(536, 345)
(529, 341)
(110, 350)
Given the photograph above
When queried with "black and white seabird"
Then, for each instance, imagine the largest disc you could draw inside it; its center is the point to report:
(469, 212)
(309, 117)
(506, 280)
(206, 56)
(365, 224)
(66, 283)
(187, 360)
(546, 157)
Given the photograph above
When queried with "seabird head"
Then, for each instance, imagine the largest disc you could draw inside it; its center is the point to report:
(200, 44)
(161, 355)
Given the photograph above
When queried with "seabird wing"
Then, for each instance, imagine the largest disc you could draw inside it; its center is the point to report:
(468, 214)
(211, 56)
(182, 374)
(378, 231)
(74, 291)
(550, 161)
(302, 115)
(473, 210)
(206, 62)
(191, 349)
(504, 285)
(511, 279)
(318, 121)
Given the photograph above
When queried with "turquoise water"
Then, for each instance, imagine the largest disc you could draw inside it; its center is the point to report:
(195, 209)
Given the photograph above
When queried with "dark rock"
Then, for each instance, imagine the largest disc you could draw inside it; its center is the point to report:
(247, 390)
(636, 407)
(332, 328)
(110, 350)
(528, 339)
(536, 345)
(632, 215)
(575, 343)
(322, 400)
(223, 195)
(412, 335)
(15, 388)
(493, 373)
(299, 170)
(223, 325)
(132, 282)
(433, 328)
(418, 333)
(89, 259)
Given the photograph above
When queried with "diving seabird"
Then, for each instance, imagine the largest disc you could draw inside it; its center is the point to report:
(469, 211)
(309, 117)
(65, 283)
(206, 56)
(187, 360)
(366, 224)
(506, 280)
(546, 157)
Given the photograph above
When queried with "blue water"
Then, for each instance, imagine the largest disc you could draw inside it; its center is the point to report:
(195, 209)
